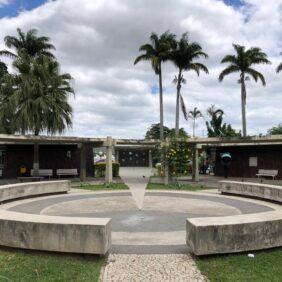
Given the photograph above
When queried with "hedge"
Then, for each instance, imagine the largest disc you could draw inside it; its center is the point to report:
(100, 169)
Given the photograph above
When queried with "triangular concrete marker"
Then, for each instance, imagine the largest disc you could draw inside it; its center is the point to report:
(136, 178)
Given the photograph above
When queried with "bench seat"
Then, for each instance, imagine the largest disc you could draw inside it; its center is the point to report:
(43, 172)
(231, 234)
(67, 172)
(267, 173)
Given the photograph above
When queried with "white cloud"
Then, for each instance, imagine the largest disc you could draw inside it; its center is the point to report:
(97, 42)
(4, 2)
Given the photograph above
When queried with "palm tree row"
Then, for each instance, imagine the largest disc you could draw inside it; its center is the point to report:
(183, 54)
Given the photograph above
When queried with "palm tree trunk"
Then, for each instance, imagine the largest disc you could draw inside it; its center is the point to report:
(161, 104)
(194, 125)
(243, 104)
(177, 104)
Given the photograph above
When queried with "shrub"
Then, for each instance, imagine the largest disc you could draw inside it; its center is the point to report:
(100, 169)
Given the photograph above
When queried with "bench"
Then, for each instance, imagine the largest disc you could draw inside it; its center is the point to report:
(50, 233)
(43, 172)
(250, 189)
(67, 172)
(267, 173)
(232, 234)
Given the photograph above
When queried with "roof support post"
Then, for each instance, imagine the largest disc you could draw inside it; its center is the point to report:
(36, 159)
(195, 164)
(109, 162)
(82, 172)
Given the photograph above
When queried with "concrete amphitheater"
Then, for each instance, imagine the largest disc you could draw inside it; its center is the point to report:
(135, 221)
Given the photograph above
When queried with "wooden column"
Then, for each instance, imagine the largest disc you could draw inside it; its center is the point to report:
(109, 163)
(36, 159)
(195, 164)
(82, 173)
(150, 159)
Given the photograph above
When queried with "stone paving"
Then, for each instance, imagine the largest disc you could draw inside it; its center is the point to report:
(153, 268)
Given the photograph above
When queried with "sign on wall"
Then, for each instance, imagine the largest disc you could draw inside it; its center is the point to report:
(253, 161)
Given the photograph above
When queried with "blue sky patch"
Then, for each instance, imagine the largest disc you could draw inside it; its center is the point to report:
(234, 3)
(14, 7)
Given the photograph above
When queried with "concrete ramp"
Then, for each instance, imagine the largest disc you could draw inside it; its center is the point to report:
(136, 178)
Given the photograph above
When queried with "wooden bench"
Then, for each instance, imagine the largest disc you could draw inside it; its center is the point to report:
(67, 172)
(43, 172)
(267, 173)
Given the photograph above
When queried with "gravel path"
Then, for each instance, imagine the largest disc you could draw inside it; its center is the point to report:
(153, 268)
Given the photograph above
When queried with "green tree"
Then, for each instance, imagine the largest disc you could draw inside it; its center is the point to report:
(216, 127)
(154, 132)
(242, 62)
(276, 130)
(3, 70)
(28, 43)
(40, 100)
(183, 57)
(157, 52)
(195, 114)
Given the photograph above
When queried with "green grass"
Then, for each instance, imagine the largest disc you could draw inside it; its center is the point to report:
(186, 187)
(16, 265)
(265, 266)
(97, 187)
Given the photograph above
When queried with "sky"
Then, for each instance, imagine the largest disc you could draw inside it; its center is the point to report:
(97, 41)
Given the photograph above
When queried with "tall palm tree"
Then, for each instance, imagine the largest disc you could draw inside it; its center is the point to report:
(242, 62)
(28, 43)
(183, 57)
(194, 115)
(157, 51)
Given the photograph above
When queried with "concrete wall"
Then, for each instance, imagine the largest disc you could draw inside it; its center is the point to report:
(263, 191)
(268, 157)
(50, 157)
(54, 233)
(15, 191)
(230, 234)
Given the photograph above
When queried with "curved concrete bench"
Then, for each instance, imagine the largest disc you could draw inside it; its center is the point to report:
(50, 233)
(230, 234)
(257, 190)
(30, 189)
(55, 233)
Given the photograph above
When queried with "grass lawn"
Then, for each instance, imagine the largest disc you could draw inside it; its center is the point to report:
(17, 265)
(97, 187)
(186, 187)
(265, 266)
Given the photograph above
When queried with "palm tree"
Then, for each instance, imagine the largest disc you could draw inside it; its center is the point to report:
(183, 57)
(242, 62)
(38, 98)
(41, 96)
(28, 43)
(157, 52)
(194, 115)
(216, 127)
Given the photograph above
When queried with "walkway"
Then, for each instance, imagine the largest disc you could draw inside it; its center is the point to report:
(153, 268)
(136, 178)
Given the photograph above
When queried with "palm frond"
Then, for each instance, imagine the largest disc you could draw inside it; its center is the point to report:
(279, 68)
(228, 70)
(183, 108)
(256, 75)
